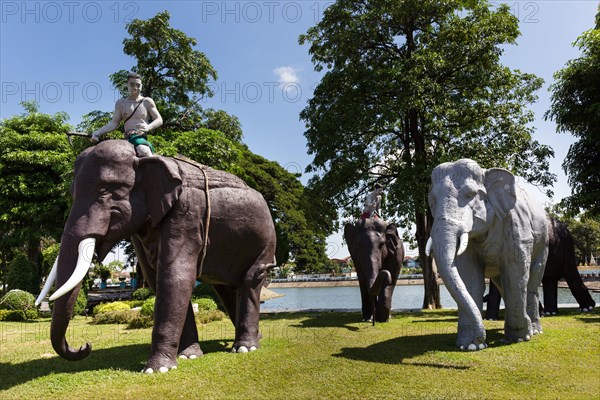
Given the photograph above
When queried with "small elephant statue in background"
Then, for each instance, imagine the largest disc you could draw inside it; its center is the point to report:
(185, 221)
(561, 263)
(378, 253)
(486, 225)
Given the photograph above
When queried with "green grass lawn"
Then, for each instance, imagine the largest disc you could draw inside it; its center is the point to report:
(312, 356)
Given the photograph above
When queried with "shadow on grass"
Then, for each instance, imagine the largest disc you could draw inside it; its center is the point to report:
(128, 358)
(409, 345)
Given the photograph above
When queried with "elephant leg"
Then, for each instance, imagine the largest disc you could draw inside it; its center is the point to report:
(228, 297)
(472, 274)
(188, 343)
(579, 290)
(550, 286)
(175, 278)
(492, 311)
(536, 274)
(366, 299)
(247, 333)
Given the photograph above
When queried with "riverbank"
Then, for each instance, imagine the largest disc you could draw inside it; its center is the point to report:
(313, 284)
(591, 283)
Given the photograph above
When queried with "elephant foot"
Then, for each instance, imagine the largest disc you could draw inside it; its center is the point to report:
(191, 352)
(243, 349)
(367, 319)
(518, 338)
(587, 309)
(473, 347)
(160, 364)
(245, 346)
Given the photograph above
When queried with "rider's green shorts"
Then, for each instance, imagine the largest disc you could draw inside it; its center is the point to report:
(138, 140)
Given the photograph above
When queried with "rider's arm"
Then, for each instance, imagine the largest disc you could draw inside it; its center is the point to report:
(111, 126)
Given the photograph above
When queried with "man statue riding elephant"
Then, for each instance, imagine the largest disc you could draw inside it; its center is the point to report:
(135, 111)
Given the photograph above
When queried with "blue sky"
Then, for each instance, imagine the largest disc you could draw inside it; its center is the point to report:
(61, 53)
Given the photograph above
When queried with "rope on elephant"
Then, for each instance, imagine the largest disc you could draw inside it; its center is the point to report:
(208, 210)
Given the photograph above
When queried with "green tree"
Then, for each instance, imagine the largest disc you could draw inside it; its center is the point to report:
(586, 235)
(36, 163)
(576, 109)
(298, 234)
(23, 275)
(407, 85)
(174, 74)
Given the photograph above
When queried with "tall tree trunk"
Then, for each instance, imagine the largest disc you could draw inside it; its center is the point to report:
(34, 255)
(423, 219)
(431, 299)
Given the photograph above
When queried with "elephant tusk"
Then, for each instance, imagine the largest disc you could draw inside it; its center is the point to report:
(463, 242)
(428, 246)
(84, 262)
(49, 282)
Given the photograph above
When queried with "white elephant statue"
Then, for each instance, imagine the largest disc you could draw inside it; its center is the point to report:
(487, 226)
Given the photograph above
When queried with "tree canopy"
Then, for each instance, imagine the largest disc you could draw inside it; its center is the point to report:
(35, 173)
(408, 85)
(576, 109)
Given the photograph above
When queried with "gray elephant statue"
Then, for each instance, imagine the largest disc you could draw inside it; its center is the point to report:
(561, 263)
(185, 221)
(486, 225)
(377, 252)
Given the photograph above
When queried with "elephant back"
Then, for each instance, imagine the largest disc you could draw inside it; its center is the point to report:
(217, 179)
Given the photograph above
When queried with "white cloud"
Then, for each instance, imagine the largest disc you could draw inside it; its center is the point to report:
(287, 75)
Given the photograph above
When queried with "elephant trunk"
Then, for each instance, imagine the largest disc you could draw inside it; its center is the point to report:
(71, 261)
(445, 237)
(383, 279)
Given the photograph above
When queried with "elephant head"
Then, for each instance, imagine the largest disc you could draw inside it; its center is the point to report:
(114, 194)
(465, 200)
(377, 252)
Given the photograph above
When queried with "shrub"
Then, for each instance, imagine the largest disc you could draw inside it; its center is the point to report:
(11, 315)
(206, 304)
(32, 313)
(22, 275)
(115, 317)
(141, 294)
(80, 303)
(114, 306)
(140, 322)
(18, 315)
(134, 303)
(148, 307)
(18, 300)
(204, 317)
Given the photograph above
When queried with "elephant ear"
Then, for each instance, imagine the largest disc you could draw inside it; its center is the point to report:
(161, 183)
(501, 190)
(391, 238)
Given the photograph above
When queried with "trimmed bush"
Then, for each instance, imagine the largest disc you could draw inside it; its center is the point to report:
(206, 304)
(11, 315)
(141, 294)
(18, 315)
(116, 317)
(114, 306)
(148, 307)
(134, 303)
(204, 317)
(18, 300)
(140, 322)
